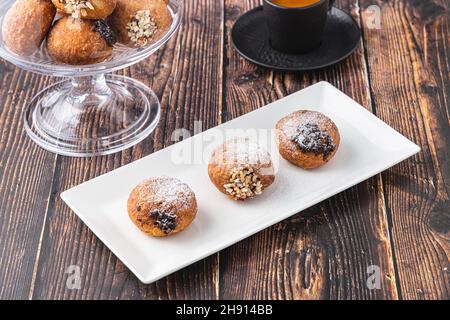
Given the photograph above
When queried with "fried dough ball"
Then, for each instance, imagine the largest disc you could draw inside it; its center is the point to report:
(162, 206)
(307, 139)
(140, 22)
(86, 9)
(241, 169)
(26, 25)
(80, 42)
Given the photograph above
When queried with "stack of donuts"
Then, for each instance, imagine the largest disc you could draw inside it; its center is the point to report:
(82, 32)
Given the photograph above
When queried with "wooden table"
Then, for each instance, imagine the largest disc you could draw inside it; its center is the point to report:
(398, 220)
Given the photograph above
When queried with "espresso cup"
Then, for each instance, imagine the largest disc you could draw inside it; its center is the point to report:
(296, 29)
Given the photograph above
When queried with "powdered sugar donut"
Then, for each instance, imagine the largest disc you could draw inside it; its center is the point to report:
(307, 139)
(241, 169)
(162, 206)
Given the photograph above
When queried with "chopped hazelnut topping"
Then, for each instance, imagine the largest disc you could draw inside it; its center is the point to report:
(141, 28)
(78, 8)
(244, 183)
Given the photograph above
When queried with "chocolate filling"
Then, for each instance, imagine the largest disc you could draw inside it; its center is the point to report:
(311, 139)
(165, 221)
(105, 31)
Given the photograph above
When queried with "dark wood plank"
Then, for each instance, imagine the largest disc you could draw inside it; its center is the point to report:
(320, 253)
(26, 173)
(324, 252)
(409, 71)
(187, 75)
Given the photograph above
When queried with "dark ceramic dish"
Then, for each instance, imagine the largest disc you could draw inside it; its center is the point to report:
(250, 37)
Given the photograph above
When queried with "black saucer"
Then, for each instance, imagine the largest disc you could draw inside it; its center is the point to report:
(251, 39)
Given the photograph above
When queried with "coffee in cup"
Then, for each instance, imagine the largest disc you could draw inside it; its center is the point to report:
(295, 3)
(296, 26)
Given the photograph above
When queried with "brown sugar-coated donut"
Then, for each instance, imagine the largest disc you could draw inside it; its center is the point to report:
(162, 206)
(241, 169)
(307, 139)
(26, 25)
(86, 9)
(80, 42)
(140, 22)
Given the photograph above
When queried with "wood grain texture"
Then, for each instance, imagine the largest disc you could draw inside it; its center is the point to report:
(24, 193)
(409, 69)
(324, 252)
(399, 220)
(187, 75)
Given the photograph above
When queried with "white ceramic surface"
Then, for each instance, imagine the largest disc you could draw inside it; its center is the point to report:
(368, 146)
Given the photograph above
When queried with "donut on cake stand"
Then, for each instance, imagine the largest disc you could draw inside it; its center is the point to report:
(91, 112)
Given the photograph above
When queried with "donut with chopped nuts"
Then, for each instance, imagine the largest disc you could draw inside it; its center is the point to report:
(162, 206)
(241, 169)
(139, 23)
(307, 139)
(26, 25)
(86, 9)
(80, 42)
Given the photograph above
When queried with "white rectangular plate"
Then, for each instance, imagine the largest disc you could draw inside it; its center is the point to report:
(368, 147)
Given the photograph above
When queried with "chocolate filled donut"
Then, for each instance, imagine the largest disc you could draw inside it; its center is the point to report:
(80, 42)
(307, 139)
(162, 206)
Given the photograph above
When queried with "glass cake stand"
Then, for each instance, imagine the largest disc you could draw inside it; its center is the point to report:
(91, 113)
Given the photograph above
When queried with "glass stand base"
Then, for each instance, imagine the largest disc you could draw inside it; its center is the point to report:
(91, 116)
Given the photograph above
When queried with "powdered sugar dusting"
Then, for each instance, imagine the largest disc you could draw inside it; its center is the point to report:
(168, 192)
(242, 151)
(291, 125)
